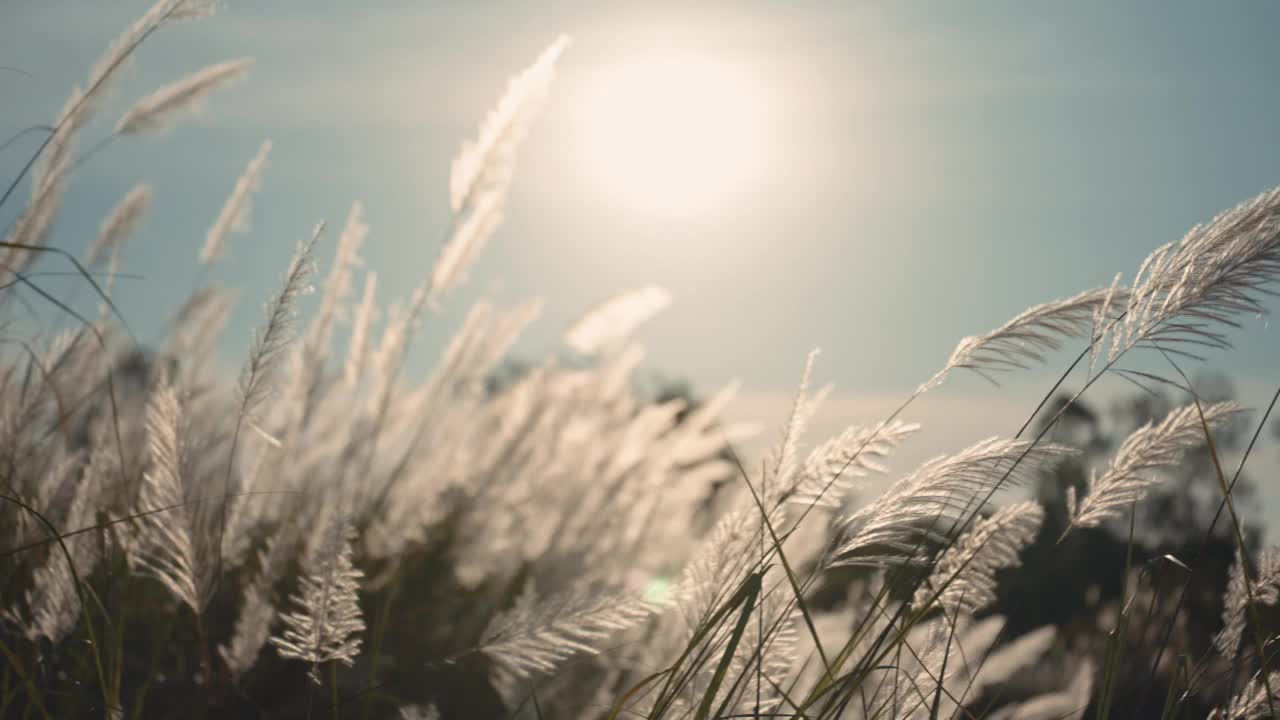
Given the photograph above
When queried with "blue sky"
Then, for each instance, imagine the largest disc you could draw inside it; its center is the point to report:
(923, 172)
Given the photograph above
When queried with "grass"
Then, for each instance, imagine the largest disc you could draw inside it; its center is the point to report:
(325, 538)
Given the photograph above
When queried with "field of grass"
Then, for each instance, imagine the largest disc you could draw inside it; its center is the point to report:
(323, 537)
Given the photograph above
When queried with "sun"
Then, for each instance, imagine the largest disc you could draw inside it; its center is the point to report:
(672, 133)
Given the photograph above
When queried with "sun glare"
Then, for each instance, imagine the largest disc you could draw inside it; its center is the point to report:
(672, 133)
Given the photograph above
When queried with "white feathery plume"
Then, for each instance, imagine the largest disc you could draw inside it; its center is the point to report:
(1263, 586)
(922, 504)
(234, 216)
(964, 575)
(610, 323)
(120, 224)
(1022, 652)
(358, 349)
(1134, 469)
(337, 285)
(1252, 703)
(535, 637)
(419, 712)
(272, 338)
(833, 467)
(257, 611)
(1103, 318)
(486, 163)
(53, 598)
(33, 224)
(162, 12)
(1068, 703)
(699, 434)
(458, 254)
(161, 108)
(83, 103)
(1216, 272)
(782, 463)
(177, 547)
(327, 622)
(482, 171)
(197, 325)
(1027, 337)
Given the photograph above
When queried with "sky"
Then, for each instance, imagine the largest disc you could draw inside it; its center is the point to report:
(892, 176)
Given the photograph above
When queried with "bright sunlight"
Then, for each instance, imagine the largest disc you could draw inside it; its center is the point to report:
(671, 133)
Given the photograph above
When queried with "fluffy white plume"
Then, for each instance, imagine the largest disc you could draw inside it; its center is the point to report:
(964, 575)
(271, 339)
(160, 109)
(464, 246)
(337, 285)
(1263, 586)
(482, 171)
(1184, 292)
(120, 224)
(1252, 702)
(833, 467)
(1028, 336)
(358, 348)
(33, 224)
(419, 712)
(926, 502)
(1135, 467)
(535, 637)
(327, 622)
(486, 163)
(177, 547)
(610, 323)
(84, 103)
(257, 611)
(1066, 704)
(235, 213)
(782, 466)
(53, 599)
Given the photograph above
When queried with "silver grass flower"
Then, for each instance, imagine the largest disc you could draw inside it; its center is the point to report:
(482, 170)
(833, 467)
(358, 348)
(610, 323)
(337, 285)
(1027, 337)
(1134, 469)
(924, 503)
(419, 712)
(326, 622)
(537, 636)
(120, 224)
(1252, 702)
(257, 610)
(52, 597)
(1068, 703)
(160, 109)
(463, 247)
(32, 226)
(84, 103)
(965, 573)
(486, 163)
(782, 464)
(196, 327)
(275, 335)
(1010, 658)
(179, 547)
(1217, 272)
(234, 216)
(941, 657)
(1263, 586)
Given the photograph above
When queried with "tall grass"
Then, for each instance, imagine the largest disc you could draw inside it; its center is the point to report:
(328, 538)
